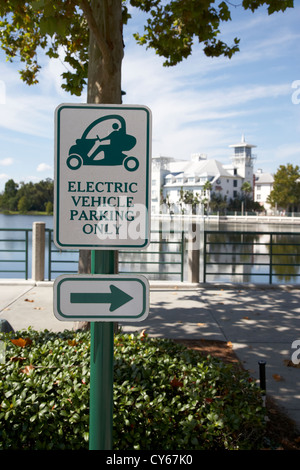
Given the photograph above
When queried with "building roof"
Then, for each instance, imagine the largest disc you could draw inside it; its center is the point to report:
(242, 143)
(263, 178)
(202, 167)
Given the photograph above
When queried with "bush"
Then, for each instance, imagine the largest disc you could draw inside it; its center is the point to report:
(166, 397)
(44, 391)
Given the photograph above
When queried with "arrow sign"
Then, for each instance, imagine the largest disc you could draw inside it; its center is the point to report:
(94, 297)
(116, 298)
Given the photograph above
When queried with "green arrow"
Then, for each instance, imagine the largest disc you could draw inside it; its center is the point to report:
(116, 298)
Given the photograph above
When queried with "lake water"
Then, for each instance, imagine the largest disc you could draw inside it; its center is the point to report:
(223, 250)
(11, 262)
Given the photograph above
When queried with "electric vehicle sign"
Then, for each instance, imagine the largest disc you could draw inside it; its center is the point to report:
(102, 176)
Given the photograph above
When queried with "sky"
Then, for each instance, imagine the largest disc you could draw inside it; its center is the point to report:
(202, 105)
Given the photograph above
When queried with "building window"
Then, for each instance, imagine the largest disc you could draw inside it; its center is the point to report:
(235, 183)
(234, 193)
(235, 171)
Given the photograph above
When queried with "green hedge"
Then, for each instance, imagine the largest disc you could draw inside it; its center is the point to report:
(166, 397)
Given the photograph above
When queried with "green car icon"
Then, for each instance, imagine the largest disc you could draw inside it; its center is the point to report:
(104, 150)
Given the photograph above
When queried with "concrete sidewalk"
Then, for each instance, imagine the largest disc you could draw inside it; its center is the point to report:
(262, 322)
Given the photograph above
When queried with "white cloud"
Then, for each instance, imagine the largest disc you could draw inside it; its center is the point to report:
(192, 113)
(29, 179)
(3, 176)
(287, 153)
(6, 161)
(29, 110)
(43, 167)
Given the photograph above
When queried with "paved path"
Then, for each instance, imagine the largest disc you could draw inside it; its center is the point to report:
(261, 322)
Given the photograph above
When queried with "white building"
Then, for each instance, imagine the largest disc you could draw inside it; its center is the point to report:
(170, 176)
(242, 161)
(160, 168)
(262, 188)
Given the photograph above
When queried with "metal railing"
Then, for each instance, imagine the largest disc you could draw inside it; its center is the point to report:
(12, 245)
(226, 254)
(271, 254)
(61, 261)
(166, 257)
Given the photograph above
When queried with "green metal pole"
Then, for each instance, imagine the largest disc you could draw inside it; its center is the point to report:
(102, 366)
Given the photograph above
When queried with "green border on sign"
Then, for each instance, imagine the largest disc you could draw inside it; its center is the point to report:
(57, 179)
(99, 317)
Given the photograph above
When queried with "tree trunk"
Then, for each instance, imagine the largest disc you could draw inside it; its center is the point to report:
(104, 18)
(105, 52)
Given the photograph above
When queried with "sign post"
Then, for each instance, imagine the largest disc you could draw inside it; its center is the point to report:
(101, 367)
(102, 203)
(106, 298)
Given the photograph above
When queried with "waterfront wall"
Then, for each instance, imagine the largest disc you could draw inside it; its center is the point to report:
(292, 219)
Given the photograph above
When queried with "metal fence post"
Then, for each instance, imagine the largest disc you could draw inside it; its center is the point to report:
(182, 256)
(49, 254)
(204, 257)
(271, 259)
(38, 251)
(193, 256)
(26, 255)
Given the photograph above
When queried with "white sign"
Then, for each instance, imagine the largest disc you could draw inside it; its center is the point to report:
(96, 297)
(102, 176)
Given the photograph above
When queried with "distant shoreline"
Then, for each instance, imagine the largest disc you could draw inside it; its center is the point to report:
(6, 212)
(214, 219)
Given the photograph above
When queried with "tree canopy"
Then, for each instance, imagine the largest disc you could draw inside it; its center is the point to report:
(172, 27)
(25, 197)
(286, 187)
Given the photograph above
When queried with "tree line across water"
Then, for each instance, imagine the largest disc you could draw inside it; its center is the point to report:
(27, 197)
(38, 197)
